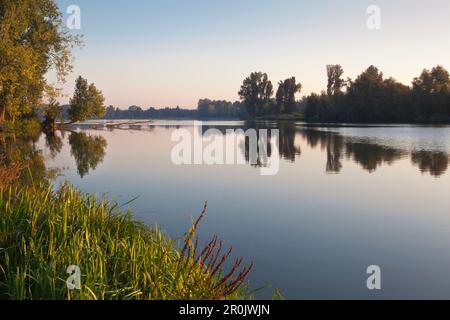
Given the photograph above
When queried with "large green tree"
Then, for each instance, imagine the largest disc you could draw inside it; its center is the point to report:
(33, 42)
(285, 96)
(256, 92)
(365, 94)
(87, 102)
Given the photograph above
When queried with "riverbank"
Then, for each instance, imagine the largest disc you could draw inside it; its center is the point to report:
(46, 233)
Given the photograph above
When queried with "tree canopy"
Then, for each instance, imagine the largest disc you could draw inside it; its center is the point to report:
(285, 96)
(87, 101)
(256, 92)
(335, 80)
(373, 98)
(33, 42)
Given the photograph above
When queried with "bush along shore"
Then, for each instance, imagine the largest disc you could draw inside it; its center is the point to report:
(43, 232)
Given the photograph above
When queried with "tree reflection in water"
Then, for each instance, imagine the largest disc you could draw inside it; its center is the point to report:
(371, 155)
(88, 151)
(434, 163)
(21, 161)
(368, 153)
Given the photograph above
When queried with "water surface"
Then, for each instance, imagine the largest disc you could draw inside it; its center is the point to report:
(343, 199)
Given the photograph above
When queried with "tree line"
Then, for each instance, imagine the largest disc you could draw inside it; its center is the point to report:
(373, 98)
(256, 100)
(368, 98)
(206, 109)
(35, 42)
(136, 112)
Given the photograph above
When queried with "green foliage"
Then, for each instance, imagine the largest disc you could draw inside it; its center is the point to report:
(285, 96)
(27, 127)
(335, 80)
(87, 102)
(207, 108)
(33, 42)
(134, 112)
(52, 112)
(42, 232)
(256, 92)
(435, 81)
(18, 148)
(371, 98)
(431, 92)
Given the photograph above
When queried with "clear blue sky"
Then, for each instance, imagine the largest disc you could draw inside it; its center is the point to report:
(173, 52)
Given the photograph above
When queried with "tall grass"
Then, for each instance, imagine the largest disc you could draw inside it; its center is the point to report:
(42, 232)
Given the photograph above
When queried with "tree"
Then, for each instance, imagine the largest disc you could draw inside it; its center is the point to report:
(319, 108)
(33, 42)
(364, 95)
(435, 81)
(256, 92)
(397, 102)
(203, 107)
(335, 81)
(367, 81)
(87, 102)
(135, 112)
(52, 111)
(312, 107)
(110, 112)
(431, 92)
(207, 108)
(285, 96)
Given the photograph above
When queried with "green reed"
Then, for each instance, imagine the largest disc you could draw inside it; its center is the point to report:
(43, 231)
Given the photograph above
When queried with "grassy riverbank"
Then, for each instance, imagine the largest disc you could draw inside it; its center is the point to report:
(43, 232)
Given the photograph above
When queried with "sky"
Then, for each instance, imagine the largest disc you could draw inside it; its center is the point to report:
(158, 53)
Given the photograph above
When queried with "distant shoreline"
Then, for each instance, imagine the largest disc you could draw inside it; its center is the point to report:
(294, 118)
